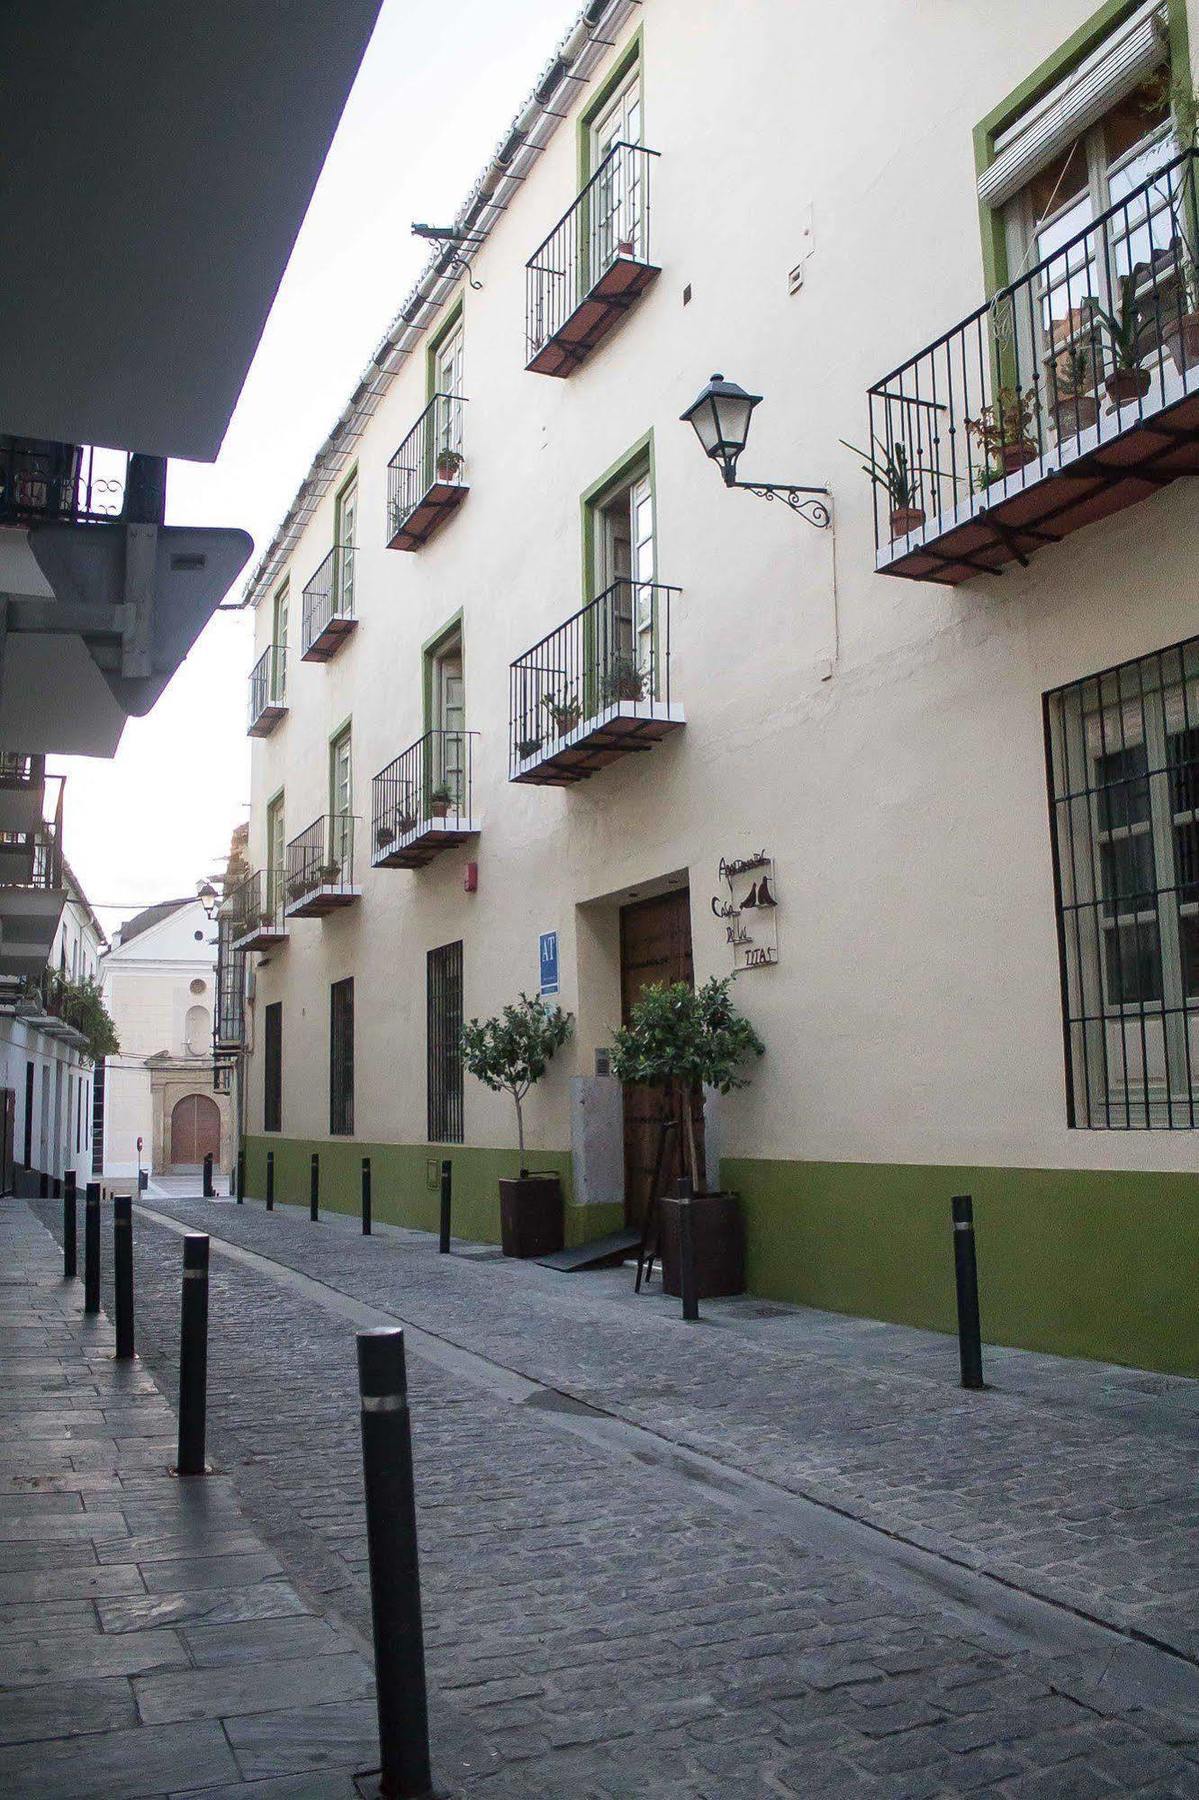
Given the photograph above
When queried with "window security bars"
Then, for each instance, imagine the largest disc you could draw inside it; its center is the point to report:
(427, 789)
(33, 859)
(425, 476)
(229, 1017)
(268, 688)
(1091, 343)
(341, 1058)
(598, 251)
(611, 658)
(329, 603)
(66, 483)
(97, 1119)
(443, 1016)
(320, 864)
(256, 910)
(1123, 762)
(272, 1067)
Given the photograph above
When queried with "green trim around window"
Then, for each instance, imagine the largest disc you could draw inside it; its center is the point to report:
(1079, 45)
(452, 319)
(344, 730)
(429, 652)
(631, 56)
(636, 459)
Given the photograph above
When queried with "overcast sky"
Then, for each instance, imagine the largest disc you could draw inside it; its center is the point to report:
(437, 89)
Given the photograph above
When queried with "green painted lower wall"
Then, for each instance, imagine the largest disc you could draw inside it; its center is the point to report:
(1081, 1262)
(405, 1183)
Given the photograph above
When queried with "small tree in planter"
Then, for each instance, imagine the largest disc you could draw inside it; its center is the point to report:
(508, 1054)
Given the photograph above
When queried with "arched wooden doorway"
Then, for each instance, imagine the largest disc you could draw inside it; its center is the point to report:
(195, 1130)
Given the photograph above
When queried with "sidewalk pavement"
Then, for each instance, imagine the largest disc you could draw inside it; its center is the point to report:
(670, 1560)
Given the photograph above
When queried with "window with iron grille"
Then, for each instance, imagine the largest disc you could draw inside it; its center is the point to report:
(98, 1117)
(1123, 757)
(341, 1058)
(444, 1043)
(272, 1067)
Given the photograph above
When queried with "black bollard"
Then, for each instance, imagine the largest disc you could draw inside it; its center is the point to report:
(314, 1189)
(55, 1188)
(394, 1570)
(209, 1190)
(447, 1196)
(122, 1273)
(43, 1187)
(91, 1248)
(965, 1269)
(366, 1196)
(70, 1262)
(687, 1253)
(193, 1354)
(241, 1177)
(270, 1181)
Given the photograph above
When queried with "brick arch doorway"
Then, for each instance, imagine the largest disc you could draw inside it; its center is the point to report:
(195, 1130)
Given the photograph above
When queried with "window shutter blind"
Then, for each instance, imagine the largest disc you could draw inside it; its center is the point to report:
(1082, 99)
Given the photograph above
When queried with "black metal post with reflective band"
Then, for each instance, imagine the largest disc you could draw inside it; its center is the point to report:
(70, 1262)
(394, 1570)
(122, 1273)
(314, 1189)
(193, 1355)
(91, 1248)
(241, 1177)
(447, 1201)
(366, 1196)
(687, 1252)
(209, 1190)
(965, 1269)
(43, 1186)
(270, 1181)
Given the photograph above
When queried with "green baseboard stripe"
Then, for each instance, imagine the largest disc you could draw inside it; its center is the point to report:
(1080, 1262)
(1090, 1263)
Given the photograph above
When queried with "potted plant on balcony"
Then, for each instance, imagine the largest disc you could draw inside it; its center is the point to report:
(508, 1054)
(564, 713)
(891, 470)
(449, 464)
(329, 873)
(625, 680)
(1073, 374)
(684, 1039)
(384, 835)
(1125, 330)
(407, 822)
(441, 798)
(527, 746)
(1006, 430)
(1180, 333)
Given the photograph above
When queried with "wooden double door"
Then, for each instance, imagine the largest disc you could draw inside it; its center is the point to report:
(655, 945)
(195, 1130)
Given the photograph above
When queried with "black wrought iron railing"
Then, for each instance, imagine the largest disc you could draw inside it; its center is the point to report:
(1096, 337)
(19, 773)
(256, 904)
(41, 480)
(609, 219)
(432, 779)
(329, 594)
(432, 452)
(268, 681)
(612, 656)
(33, 859)
(321, 858)
(229, 1014)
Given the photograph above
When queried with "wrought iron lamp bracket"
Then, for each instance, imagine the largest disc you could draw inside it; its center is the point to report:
(805, 501)
(459, 265)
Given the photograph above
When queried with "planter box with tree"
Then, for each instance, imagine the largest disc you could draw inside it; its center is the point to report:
(508, 1053)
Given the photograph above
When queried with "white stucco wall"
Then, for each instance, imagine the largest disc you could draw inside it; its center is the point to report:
(882, 739)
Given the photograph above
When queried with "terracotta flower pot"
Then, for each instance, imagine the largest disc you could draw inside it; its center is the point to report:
(532, 1218)
(1075, 413)
(905, 519)
(1182, 341)
(718, 1234)
(439, 808)
(1124, 385)
(1015, 456)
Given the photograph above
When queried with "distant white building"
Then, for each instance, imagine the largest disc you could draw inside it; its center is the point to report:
(159, 983)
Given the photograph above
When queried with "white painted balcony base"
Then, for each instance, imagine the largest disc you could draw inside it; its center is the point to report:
(326, 897)
(629, 726)
(424, 839)
(262, 936)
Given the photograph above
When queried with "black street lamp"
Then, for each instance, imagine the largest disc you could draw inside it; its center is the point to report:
(720, 415)
(209, 899)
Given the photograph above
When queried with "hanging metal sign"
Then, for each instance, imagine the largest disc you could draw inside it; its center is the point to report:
(748, 907)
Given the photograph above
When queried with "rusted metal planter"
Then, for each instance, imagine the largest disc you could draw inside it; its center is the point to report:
(718, 1233)
(532, 1216)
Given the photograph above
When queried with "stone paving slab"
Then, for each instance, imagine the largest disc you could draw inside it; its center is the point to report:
(603, 1627)
(115, 1679)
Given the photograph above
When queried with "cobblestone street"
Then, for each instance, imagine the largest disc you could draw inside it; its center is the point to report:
(754, 1557)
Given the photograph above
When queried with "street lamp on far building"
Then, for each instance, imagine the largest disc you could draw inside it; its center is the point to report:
(720, 416)
(209, 899)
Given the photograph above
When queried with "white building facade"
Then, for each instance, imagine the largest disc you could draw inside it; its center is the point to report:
(528, 670)
(159, 982)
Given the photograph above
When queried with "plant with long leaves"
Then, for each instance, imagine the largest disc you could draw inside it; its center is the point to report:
(682, 1038)
(890, 469)
(510, 1052)
(1125, 326)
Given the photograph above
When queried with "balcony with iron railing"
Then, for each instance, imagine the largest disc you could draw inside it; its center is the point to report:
(595, 689)
(229, 1014)
(422, 803)
(268, 691)
(32, 859)
(320, 868)
(593, 266)
(1071, 394)
(255, 911)
(328, 617)
(22, 787)
(425, 482)
(43, 482)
